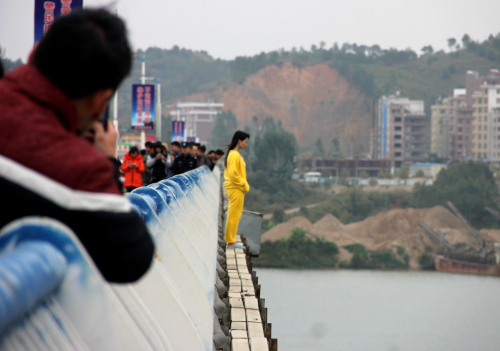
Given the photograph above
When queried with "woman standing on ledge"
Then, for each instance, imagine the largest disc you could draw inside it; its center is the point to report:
(235, 176)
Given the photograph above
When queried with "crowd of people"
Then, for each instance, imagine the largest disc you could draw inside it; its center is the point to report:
(157, 162)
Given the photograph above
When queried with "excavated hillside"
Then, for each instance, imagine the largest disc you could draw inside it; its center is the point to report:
(396, 227)
(311, 102)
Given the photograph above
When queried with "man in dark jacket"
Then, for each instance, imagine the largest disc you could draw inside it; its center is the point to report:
(47, 105)
(185, 162)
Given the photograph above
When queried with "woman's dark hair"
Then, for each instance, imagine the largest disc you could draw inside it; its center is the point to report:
(239, 135)
(133, 149)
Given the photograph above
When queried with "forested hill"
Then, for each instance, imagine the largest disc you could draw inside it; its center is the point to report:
(370, 70)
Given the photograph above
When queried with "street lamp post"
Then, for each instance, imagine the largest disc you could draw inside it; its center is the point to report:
(158, 109)
(143, 81)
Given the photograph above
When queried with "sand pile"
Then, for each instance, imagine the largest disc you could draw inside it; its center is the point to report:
(388, 229)
(283, 230)
(332, 229)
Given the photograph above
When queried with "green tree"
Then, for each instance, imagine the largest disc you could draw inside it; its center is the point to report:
(335, 147)
(428, 50)
(223, 130)
(420, 174)
(279, 214)
(404, 173)
(451, 43)
(363, 175)
(384, 175)
(320, 152)
(470, 186)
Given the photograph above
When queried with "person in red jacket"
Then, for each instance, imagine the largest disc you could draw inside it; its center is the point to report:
(47, 105)
(133, 167)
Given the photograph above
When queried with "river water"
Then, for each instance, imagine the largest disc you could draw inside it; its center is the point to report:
(322, 310)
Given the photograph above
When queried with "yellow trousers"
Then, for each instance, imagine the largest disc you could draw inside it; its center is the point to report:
(234, 212)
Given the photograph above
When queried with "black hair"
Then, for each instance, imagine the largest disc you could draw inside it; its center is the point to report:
(211, 152)
(143, 152)
(133, 149)
(219, 152)
(2, 71)
(176, 143)
(149, 144)
(84, 52)
(196, 144)
(238, 136)
(202, 148)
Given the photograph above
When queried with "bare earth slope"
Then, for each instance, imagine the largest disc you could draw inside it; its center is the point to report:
(387, 229)
(311, 102)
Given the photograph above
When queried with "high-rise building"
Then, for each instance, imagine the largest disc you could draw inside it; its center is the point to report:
(401, 130)
(455, 137)
(437, 111)
(480, 127)
(494, 136)
(198, 118)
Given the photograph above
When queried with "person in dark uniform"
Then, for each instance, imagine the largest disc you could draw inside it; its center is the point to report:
(184, 162)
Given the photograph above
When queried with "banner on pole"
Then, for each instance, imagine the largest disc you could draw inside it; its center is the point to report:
(143, 107)
(178, 131)
(191, 139)
(47, 11)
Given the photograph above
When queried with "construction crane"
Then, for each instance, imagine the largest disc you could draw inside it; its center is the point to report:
(492, 212)
(433, 234)
(466, 223)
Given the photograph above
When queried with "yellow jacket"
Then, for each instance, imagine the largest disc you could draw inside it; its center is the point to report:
(235, 174)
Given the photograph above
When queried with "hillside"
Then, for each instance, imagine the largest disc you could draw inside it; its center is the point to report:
(325, 92)
(311, 102)
(396, 227)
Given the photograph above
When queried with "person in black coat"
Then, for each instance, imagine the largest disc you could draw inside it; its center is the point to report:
(184, 162)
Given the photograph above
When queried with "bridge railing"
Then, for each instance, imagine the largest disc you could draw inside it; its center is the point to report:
(53, 297)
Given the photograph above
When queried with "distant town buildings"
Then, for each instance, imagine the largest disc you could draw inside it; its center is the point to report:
(429, 170)
(401, 130)
(334, 167)
(464, 126)
(198, 117)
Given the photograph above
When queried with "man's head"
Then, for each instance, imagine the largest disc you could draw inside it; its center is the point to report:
(134, 151)
(219, 153)
(149, 147)
(86, 54)
(201, 150)
(194, 149)
(185, 149)
(2, 71)
(175, 147)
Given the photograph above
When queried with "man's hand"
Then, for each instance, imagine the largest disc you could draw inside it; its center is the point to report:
(160, 157)
(105, 141)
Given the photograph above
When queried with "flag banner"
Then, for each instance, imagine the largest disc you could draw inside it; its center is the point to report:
(47, 11)
(178, 131)
(143, 107)
(191, 139)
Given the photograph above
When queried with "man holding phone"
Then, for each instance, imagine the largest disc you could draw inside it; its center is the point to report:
(48, 104)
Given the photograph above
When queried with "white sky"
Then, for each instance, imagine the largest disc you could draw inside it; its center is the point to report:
(226, 29)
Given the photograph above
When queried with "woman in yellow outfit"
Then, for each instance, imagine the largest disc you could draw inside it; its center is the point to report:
(235, 176)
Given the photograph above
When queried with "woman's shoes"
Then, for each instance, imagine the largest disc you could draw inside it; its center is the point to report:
(236, 246)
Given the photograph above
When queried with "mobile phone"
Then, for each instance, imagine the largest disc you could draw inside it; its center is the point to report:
(104, 119)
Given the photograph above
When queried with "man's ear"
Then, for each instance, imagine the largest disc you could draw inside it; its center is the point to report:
(98, 101)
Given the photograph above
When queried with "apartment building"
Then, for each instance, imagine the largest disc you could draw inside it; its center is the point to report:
(463, 120)
(401, 130)
(494, 136)
(437, 111)
(480, 128)
(455, 134)
(198, 117)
